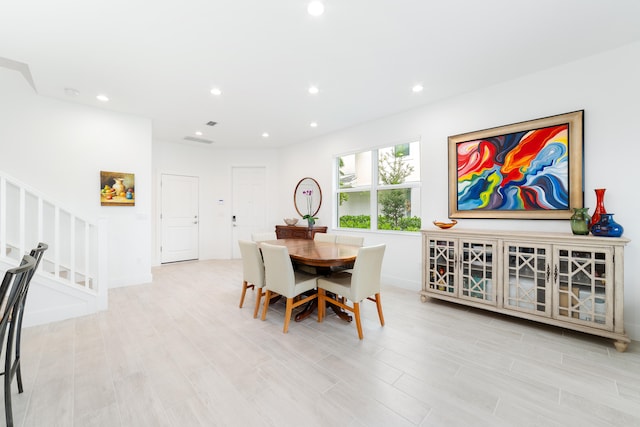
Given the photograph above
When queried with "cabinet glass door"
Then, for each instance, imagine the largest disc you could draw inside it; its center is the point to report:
(527, 273)
(477, 271)
(441, 269)
(584, 281)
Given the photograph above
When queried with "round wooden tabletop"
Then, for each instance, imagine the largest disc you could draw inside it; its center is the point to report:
(318, 254)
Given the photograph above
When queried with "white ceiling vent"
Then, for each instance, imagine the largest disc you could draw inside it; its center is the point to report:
(200, 140)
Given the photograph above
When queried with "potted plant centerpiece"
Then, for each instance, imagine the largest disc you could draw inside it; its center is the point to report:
(311, 220)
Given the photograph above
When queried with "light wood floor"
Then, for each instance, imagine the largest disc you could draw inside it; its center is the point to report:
(179, 352)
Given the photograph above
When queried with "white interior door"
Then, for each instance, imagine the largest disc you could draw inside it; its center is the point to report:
(179, 218)
(249, 211)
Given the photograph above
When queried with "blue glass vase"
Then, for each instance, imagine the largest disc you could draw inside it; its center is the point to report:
(607, 227)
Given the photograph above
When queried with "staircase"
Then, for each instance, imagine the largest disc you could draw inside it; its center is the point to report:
(68, 281)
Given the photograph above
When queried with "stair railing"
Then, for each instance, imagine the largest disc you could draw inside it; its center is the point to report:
(75, 244)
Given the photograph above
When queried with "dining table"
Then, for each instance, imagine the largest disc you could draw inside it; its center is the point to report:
(322, 256)
(318, 254)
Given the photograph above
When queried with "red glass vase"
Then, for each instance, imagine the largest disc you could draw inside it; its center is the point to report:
(600, 209)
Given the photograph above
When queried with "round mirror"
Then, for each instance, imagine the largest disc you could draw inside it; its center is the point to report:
(307, 197)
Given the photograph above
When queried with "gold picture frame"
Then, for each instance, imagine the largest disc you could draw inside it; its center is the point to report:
(117, 189)
(526, 170)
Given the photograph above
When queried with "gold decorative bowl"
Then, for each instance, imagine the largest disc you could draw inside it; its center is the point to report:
(291, 221)
(445, 225)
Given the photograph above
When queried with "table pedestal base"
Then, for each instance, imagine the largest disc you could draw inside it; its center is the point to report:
(311, 306)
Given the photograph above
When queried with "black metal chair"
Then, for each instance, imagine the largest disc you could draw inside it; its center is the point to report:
(13, 286)
(17, 315)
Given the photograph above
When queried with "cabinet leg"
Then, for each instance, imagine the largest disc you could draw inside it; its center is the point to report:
(621, 346)
(423, 298)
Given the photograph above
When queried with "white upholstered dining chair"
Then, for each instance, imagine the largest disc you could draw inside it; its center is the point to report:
(343, 239)
(281, 279)
(362, 283)
(252, 272)
(324, 237)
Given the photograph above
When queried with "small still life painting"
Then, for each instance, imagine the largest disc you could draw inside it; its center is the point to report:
(117, 189)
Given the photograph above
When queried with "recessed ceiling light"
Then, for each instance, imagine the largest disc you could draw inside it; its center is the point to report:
(102, 98)
(313, 124)
(215, 91)
(417, 88)
(313, 90)
(265, 135)
(198, 133)
(315, 8)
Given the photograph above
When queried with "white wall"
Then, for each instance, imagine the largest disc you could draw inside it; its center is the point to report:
(606, 86)
(59, 149)
(213, 168)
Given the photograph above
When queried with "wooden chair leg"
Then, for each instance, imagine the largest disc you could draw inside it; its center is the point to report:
(321, 305)
(245, 286)
(356, 314)
(287, 315)
(258, 299)
(267, 297)
(379, 305)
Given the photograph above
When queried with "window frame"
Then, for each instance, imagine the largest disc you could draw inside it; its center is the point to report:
(374, 187)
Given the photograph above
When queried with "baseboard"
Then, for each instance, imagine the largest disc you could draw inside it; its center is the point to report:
(633, 330)
(410, 285)
(131, 281)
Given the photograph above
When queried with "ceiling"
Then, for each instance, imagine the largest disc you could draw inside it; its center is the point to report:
(160, 59)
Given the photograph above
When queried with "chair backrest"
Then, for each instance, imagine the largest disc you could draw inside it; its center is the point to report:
(13, 283)
(252, 265)
(37, 254)
(262, 236)
(278, 270)
(365, 279)
(349, 240)
(324, 237)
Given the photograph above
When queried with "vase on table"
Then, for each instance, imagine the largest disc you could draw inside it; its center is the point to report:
(580, 221)
(607, 227)
(311, 222)
(600, 209)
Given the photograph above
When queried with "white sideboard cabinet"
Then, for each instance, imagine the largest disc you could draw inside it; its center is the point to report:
(576, 282)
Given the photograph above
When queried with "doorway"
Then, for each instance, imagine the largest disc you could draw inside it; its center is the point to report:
(249, 210)
(179, 218)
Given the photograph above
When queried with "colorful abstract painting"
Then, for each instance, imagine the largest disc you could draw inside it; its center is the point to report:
(523, 170)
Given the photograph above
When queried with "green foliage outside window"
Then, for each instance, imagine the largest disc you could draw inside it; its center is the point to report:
(413, 223)
(355, 221)
(395, 203)
(364, 221)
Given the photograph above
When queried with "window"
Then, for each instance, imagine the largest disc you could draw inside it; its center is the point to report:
(384, 181)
